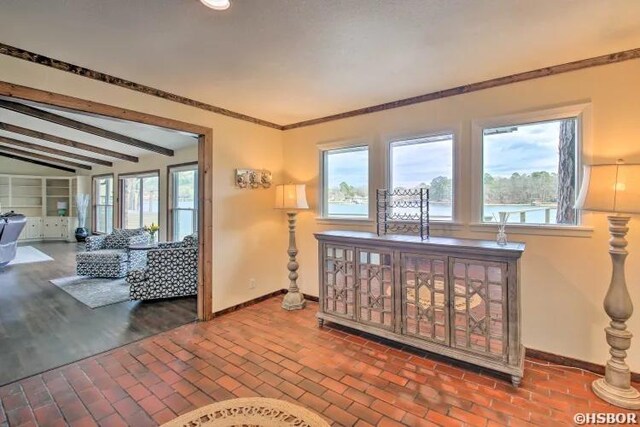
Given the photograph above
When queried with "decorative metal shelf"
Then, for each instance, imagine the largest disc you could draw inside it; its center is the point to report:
(390, 220)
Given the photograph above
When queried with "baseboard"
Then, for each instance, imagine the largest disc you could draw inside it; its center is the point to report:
(257, 300)
(574, 363)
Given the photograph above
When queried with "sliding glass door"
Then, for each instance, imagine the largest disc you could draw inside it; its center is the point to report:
(103, 204)
(139, 199)
(183, 200)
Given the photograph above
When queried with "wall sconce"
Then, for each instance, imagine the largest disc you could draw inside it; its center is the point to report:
(253, 178)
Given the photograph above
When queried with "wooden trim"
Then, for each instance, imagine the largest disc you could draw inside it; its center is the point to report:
(28, 145)
(205, 162)
(148, 173)
(36, 162)
(474, 87)
(42, 157)
(571, 362)
(127, 84)
(205, 224)
(168, 193)
(83, 127)
(64, 141)
(16, 90)
(94, 219)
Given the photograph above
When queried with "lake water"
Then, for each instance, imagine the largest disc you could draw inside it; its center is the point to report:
(534, 214)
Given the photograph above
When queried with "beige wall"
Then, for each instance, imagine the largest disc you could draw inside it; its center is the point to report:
(16, 167)
(564, 279)
(147, 163)
(249, 236)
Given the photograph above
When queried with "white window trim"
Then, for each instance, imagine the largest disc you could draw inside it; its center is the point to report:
(450, 224)
(322, 217)
(584, 148)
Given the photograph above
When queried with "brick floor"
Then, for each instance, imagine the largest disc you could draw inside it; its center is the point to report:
(262, 350)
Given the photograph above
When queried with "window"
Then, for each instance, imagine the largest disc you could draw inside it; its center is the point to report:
(103, 204)
(346, 182)
(183, 200)
(530, 171)
(425, 162)
(139, 199)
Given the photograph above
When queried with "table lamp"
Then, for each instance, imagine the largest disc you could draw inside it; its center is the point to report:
(615, 188)
(292, 198)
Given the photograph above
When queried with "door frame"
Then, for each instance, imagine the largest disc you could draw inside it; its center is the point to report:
(205, 169)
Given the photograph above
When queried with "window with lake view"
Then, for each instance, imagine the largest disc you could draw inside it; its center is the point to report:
(346, 182)
(425, 162)
(529, 171)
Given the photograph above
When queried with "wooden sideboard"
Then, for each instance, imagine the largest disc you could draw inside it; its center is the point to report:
(455, 297)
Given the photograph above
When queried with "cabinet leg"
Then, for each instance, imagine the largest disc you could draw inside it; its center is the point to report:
(320, 322)
(516, 380)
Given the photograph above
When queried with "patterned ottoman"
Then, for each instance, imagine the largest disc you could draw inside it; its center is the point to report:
(103, 263)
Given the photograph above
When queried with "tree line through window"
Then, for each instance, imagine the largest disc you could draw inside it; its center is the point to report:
(528, 170)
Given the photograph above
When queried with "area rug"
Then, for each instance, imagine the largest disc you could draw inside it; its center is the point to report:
(94, 292)
(29, 254)
(249, 411)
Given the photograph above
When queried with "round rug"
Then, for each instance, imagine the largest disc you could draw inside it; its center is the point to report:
(249, 411)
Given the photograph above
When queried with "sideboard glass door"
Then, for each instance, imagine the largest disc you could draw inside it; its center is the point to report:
(339, 281)
(424, 297)
(375, 288)
(479, 306)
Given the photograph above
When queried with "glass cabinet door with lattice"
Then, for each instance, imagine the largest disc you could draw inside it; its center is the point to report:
(424, 297)
(339, 281)
(375, 296)
(479, 304)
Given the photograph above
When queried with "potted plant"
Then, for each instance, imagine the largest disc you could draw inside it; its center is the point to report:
(82, 203)
(152, 229)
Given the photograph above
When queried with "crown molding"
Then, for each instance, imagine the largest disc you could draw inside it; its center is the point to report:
(459, 90)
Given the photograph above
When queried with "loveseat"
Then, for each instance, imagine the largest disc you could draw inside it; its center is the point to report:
(11, 226)
(171, 271)
(109, 255)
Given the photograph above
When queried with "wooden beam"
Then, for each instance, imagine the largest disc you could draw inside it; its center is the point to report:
(36, 162)
(47, 159)
(473, 87)
(24, 144)
(83, 127)
(127, 84)
(64, 141)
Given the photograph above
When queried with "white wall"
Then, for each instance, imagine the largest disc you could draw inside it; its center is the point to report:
(249, 235)
(564, 279)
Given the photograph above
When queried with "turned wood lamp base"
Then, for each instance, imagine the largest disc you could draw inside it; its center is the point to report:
(628, 398)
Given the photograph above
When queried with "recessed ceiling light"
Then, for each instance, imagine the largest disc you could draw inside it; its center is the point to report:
(217, 4)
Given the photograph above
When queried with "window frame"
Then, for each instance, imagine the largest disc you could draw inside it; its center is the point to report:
(141, 174)
(94, 199)
(323, 148)
(455, 165)
(582, 113)
(189, 166)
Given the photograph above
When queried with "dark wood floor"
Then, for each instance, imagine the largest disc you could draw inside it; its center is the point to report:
(42, 327)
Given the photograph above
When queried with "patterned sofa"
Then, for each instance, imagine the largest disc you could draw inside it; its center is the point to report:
(109, 255)
(171, 271)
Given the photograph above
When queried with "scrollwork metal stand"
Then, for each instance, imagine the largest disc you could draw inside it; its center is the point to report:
(403, 211)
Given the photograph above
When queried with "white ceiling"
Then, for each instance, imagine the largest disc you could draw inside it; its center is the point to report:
(291, 60)
(154, 135)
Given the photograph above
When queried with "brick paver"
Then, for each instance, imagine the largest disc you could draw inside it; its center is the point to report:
(262, 350)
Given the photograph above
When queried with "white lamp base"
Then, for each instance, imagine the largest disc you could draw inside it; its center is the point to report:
(628, 398)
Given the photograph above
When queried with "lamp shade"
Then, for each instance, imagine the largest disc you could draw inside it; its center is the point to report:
(610, 188)
(291, 196)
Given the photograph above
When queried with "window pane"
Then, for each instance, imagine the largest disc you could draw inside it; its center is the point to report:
(530, 172)
(184, 202)
(425, 162)
(103, 201)
(150, 200)
(185, 189)
(347, 182)
(183, 223)
(131, 215)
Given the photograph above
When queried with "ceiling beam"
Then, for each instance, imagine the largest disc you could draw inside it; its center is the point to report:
(44, 158)
(83, 127)
(28, 145)
(64, 141)
(37, 162)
